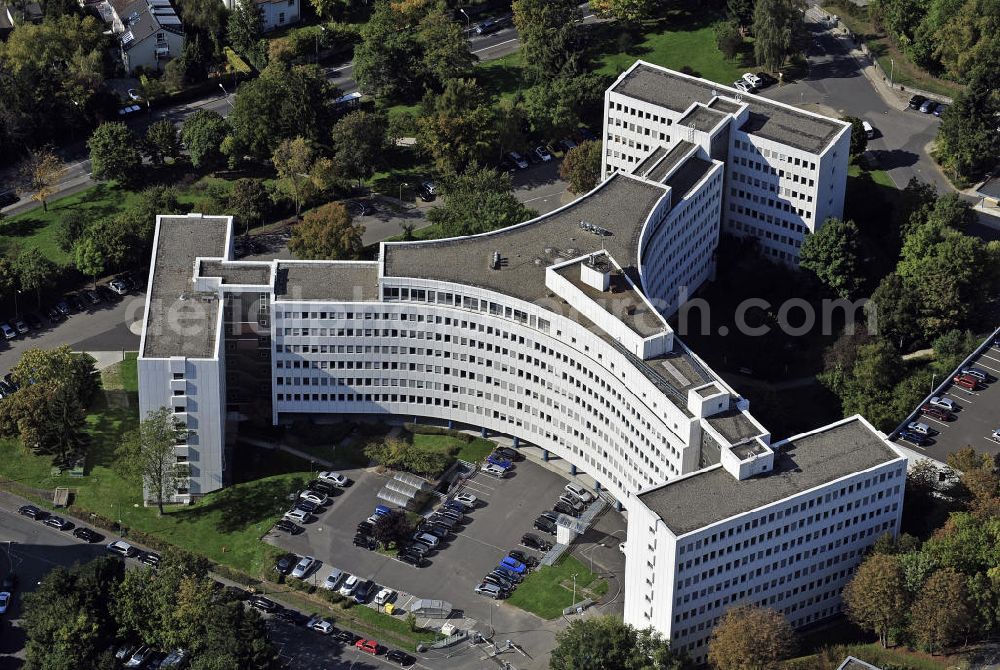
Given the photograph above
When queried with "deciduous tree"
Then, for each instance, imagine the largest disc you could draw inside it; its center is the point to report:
(327, 233)
(162, 141)
(203, 133)
(774, 27)
(244, 30)
(477, 201)
(249, 202)
(728, 38)
(859, 138)
(626, 11)
(293, 161)
(876, 597)
(968, 141)
(445, 50)
(34, 271)
(148, 454)
(114, 153)
(940, 614)
(88, 258)
(606, 642)
(833, 254)
(387, 62)
(358, 141)
(750, 638)
(458, 128)
(581, 167)
(548, 31)
(41, 172)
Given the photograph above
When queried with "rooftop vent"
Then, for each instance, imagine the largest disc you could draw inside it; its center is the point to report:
(495, 264)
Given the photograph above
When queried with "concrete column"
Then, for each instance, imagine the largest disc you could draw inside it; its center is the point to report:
(517, 442)
(545, 455)
(451, 424)
(483, 432)
(618, 506)
(597, 485)
(572, 469)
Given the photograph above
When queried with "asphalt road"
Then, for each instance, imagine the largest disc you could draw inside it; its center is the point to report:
(836, 81)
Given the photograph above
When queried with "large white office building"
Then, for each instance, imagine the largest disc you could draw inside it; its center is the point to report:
(552, 331)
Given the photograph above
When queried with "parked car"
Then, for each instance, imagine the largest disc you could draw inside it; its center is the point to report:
(543, 153)
(122, 548)
(334, 478)
(150, 558)
(917, 427)
(499, 461)
(499, 580)
(365, 528)
(87, 535)
(937, 413)
(488, 26)
(285, 563)
(527, 559)
(441, 520)
(8, 198)
(917, 101)
(913, 438)
(286, 526)
(382, 510)
(583, 494)
(34, 321)
(426, 538)
(315, 497)
(53, 314)
(563, 508)
(5, 598)
(306, 505)
(118, 286)
(573, 502)
(125, 651)
(384, 596)
(263, 604)
(518, 160)
(8, 332)
(752, 79)
(566, 144)
(58, 522)
(21, 327)
(766, 80)
(491, 591)
(411, 557)
(297, 515)
(401, 657)
(744, 87)
(493, 470)
(978, 373)
(364, 541)
(364, 591)
(347, 637)
(466, 499)
(367, 646)
(943, 403)
(347, 588)
(940, 109)
(966, 382)
(32, 512)
(869, 130)
(140, 658)
(504, 571)
(63, 307)
(451, 513)
(511, 563)
(333, 580)
(928, 106)
(532, 541)
(545, 524)
(320, 625)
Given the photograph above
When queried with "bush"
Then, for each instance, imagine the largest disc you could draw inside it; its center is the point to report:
(728, 38)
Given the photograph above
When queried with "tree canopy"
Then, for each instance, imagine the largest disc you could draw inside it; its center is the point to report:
(327, 232)
(477, 201)
(833, 254)
(358, 141)
(606, 642)
(581, 167)
(776, 24)
(114, 153)
(750, 638)
(548, 30)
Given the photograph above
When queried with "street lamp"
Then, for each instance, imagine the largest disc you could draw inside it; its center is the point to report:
(892, 69)
(17, 292)
(321, 30)
(225, 94)
(401, 187)
(933, 379)
(468, 20)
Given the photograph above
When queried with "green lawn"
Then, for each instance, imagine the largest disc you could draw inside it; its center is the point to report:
(548, 590)
(476, 450)
(880, 177)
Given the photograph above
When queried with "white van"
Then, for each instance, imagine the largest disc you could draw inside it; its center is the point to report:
(580, 492)
(869, 131)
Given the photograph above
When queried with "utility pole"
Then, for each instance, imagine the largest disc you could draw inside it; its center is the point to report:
(574, 590)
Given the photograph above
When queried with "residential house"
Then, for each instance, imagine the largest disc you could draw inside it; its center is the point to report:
(274, 14)
(149, 32)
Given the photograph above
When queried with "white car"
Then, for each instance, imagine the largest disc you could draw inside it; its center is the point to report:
(943, 403)
(752, 79)
(303, 567)
(122, 548)
(493, 470)
(466, 499)
(320, 625)
(334, 478)
(384, 596)
(743, 86)
(347, 588)
(333, 579)
(298, 515)
(580, 492)
(543, 153)
(4, 601)
(8, 332)
(921, 428)
(518, 160)
(869, 130)
(315, 497)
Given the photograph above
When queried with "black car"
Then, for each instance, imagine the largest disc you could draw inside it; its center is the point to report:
(321, 487)
(263, 604)
(425, 194)
(124, 652)
(527, 559)
(365, 528)
(58, 522)
(87, 535)
(306, 506)
(437, 530)
(916, 101)
(293, 616)
(364, 591)
(6, 388)
(287, 526)
(92, 297)
(150, 558)
(8, 198)
(347, 637)
(532, 541)
(106, 294)
(34, 321)
(364, 541)
(54, 315)
(74, 302)
(285, 563)
(508, 453)
(413, 558)
(545, 524)
(498, 579)
(32, 512)
(401, 657)
(563, 508)
(766, 79)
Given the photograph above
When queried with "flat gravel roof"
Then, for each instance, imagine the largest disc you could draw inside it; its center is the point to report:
(234, 272)
(620, 206)
(180, 322)
(734, 425)
(347, 281)
(800, 463)
(677, 92)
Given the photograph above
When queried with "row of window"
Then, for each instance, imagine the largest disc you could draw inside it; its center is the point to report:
(747, 147)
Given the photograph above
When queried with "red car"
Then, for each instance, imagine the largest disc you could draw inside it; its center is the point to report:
(368, 646)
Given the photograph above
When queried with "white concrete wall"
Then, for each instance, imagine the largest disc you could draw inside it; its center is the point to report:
(278, 14)
(143, 54)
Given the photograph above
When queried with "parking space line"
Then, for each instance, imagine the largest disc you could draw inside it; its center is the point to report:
(933, 420)
(985, 355)
(991, 369)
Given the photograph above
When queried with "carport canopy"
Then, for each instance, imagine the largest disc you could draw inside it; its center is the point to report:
(434, 609)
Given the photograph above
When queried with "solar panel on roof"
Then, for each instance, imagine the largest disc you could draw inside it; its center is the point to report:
(127, 38)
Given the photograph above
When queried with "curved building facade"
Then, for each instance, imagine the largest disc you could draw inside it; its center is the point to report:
(554, 332)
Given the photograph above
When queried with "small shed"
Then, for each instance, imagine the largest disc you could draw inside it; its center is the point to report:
(413, 480)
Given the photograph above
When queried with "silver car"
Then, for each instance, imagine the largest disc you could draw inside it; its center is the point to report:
(303, 567)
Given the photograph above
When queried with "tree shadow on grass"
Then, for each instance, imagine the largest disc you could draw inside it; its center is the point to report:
(243, 505)
(110, 416)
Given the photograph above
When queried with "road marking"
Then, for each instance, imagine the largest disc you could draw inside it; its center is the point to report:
(991, 369)
(924, 417)
(494, 46)
(990, 357)
(541, 197)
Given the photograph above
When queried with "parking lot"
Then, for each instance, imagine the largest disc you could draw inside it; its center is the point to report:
(976, 415)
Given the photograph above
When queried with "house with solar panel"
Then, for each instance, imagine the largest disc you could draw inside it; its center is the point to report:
(149, 32)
